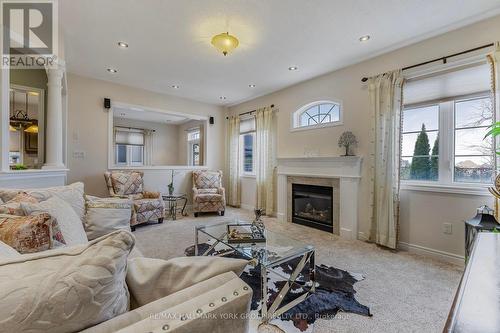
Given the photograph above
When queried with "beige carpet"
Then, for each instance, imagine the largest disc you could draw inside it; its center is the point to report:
(405, 292)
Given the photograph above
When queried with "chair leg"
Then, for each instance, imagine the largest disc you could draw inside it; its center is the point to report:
(195, 214)
(132, 228)
(222, 213)
(160, 220)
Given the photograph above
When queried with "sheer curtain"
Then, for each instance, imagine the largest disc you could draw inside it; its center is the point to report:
(233, 159)
(266, 159)
(149, 148)
(385, 93)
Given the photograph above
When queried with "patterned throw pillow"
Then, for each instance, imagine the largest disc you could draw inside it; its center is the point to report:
(13, 206)
(26, 234)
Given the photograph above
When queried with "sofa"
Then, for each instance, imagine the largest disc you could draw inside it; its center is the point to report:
(96, 280)
(148, 206)
(208, 193)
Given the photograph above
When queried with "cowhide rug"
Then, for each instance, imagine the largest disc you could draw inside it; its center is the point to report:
(334, 292)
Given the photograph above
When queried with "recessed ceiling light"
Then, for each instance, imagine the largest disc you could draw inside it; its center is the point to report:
(174, 86)
(293, 68)
(123, 44)
(122, 114)
(222, 97)
(251, 85)
(364, 38)
(112, 70)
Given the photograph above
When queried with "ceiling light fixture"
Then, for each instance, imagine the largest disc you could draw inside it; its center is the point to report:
(364, 38)
(112, 70)
(32, 129)
(122, 45)
(293, 68)
(225, 42)
(12, 128)
(222, 97)
(174, 86)
(251, 85)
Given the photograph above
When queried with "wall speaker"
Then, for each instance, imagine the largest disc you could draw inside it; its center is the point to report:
(107, 103)
(211, 120)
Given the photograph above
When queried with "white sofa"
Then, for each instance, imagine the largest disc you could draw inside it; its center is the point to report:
(108, 286)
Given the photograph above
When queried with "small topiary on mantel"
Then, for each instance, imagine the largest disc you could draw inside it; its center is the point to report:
(348, 140)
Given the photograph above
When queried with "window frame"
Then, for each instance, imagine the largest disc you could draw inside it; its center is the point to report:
(128, 157)
(241, 143)
(446, 165)
(295, 119)
(190, 147)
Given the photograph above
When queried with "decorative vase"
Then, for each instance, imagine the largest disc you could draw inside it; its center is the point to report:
(170, 189)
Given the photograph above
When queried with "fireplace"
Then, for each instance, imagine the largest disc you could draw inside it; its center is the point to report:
(312, 205)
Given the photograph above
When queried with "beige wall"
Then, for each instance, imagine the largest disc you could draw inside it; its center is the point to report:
(88, 129)
(423, 213)
(165, 140)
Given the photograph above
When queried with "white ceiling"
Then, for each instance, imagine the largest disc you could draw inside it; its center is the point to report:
(170, 40)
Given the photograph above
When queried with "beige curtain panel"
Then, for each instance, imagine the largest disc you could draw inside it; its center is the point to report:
(265, 143)
(233, 162)
(385, 93)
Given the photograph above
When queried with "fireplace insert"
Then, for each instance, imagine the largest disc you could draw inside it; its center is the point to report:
(312, 206)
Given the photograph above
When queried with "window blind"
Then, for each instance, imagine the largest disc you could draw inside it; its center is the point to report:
(247, 125)
(128, 136)
(466, 80)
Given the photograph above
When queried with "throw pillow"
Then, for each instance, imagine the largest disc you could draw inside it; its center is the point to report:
(69, 223)
(105, 215)
(7, 251)
(68, 289)
(13, 206)
(26, 234)
(72, 194)
(150, 279)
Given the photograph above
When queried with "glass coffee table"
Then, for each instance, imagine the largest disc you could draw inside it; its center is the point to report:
(269, 255)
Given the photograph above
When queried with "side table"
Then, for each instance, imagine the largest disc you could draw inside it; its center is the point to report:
(171, 204)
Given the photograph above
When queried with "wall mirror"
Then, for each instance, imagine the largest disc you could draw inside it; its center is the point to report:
(26, 127)
(142, 137)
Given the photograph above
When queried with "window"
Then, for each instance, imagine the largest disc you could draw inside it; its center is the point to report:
(317, 114)
(464, 122)
(445, 118)
(129, 146)
(247, 146)
(193, 137)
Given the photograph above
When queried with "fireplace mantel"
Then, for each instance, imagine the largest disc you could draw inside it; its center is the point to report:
(346, 168)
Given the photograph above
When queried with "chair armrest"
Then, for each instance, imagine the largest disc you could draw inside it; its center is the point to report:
(150, 195)
(149, 279)
(195, 191)
(222, 192)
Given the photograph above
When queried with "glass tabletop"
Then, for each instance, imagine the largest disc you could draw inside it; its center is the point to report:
(276, 248)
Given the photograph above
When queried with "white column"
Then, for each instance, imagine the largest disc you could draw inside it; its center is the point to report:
(54, 120)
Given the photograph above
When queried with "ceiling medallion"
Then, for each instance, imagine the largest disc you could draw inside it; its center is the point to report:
(225, 42)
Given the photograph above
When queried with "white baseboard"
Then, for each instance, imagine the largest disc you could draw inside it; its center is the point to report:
(436, 254)
(362, 236)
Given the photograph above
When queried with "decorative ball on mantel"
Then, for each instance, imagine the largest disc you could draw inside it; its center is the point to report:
(348, 140)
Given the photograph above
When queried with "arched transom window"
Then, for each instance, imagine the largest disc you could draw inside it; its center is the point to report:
(317, 114)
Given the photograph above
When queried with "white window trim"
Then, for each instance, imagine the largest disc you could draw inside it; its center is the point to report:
(295, 119)
(244, 173)
(446, 183)
(129, 154)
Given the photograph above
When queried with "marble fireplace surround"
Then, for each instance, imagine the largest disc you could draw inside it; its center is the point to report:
(342, 173)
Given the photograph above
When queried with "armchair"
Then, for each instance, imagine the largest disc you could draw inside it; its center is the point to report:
(148, 206)
(208, 193)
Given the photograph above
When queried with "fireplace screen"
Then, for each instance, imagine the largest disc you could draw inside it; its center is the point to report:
(312, 206)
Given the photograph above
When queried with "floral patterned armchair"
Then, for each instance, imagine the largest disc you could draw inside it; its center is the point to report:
(148, 206)
(208, 193)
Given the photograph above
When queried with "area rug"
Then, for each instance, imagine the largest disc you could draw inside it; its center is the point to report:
(334, 293)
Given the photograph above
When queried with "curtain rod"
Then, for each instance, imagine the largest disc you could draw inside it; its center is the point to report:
(249, 112)
(443, 59)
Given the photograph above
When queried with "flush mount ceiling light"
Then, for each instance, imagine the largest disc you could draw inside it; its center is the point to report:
(225, 42)
(123, 45)
(364, 38)
(112, 70)
(251, 85)
(293, 68)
